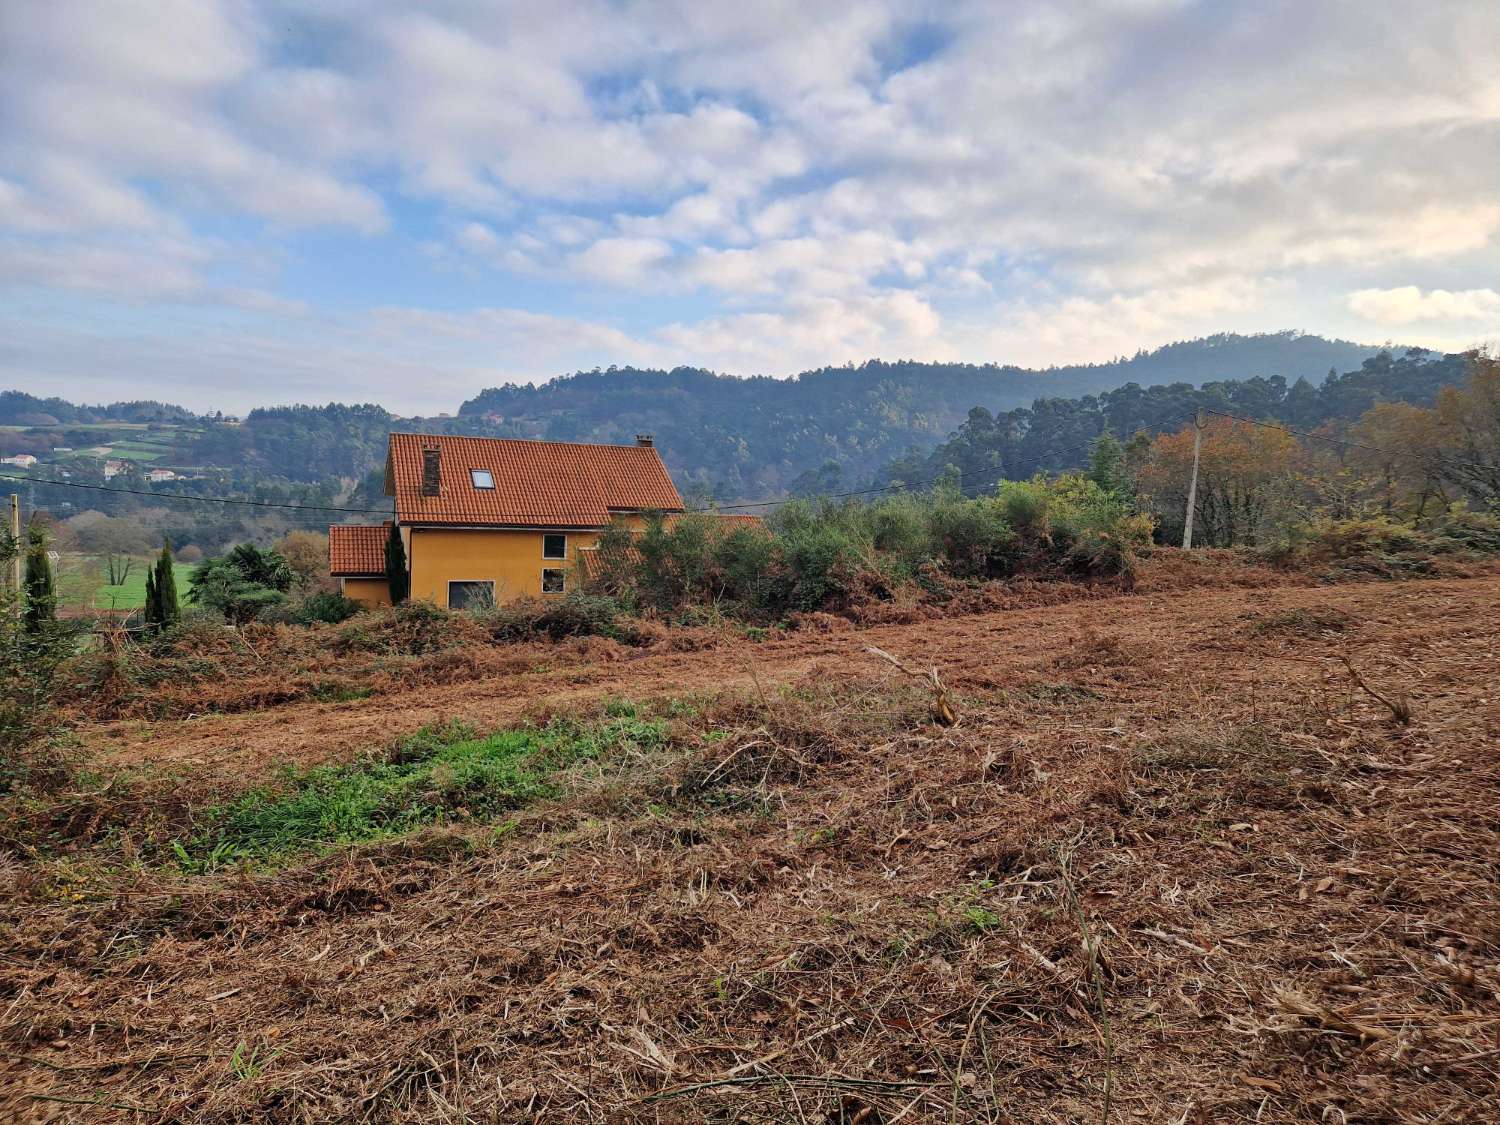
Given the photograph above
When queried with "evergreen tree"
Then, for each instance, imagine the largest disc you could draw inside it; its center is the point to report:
(152, 608)
(395, 566)
(165, 612)
(41, 591)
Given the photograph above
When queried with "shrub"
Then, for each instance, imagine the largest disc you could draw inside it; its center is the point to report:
(324, 607)
(1468, 531)
(743, 562)
(577, 614)
(821, 551)
(898, 528)
(242, 584)
(1114, 550)
(409, 629)
(330, 608)
(972, 537)
(1327, 540)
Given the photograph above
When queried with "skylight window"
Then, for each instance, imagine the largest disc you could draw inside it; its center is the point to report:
(482, 478)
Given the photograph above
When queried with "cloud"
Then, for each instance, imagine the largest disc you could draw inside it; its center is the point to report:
(758, 187)
(813, 331)
(104, 96)
(1407, 304)
(623, 261)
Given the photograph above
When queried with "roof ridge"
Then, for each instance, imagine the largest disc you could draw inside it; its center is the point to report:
(528, 441)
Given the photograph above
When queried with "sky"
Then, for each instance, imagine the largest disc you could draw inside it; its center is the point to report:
(226, 203)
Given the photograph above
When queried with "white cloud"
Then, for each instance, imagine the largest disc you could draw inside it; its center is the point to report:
(1407, 304)
(623, 261)
(789, 183)
(1099, 329)
(813, 331)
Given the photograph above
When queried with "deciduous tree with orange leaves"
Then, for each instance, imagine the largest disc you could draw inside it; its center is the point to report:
(1248, 474)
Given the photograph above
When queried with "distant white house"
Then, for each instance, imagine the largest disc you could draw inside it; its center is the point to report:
(114, 467)
(62, 449)
(156, 476)
(23, 460)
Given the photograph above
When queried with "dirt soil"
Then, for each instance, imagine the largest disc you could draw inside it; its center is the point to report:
(1193, 855)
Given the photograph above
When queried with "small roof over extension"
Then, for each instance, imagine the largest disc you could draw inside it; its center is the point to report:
(505, 482)
(357, 551)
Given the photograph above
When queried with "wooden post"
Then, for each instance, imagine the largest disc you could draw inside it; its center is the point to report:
(1187, 527)
(15, 563)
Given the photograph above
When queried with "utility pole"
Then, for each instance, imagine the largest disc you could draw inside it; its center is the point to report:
(15, 542)
(1187, 527)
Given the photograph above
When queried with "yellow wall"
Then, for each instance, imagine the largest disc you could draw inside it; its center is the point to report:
(512, 560)
(367, 591)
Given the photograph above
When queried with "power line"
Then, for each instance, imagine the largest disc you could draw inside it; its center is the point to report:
(187, 496)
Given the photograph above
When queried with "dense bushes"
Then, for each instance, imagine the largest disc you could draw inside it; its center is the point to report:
(576, 615)
(324, 607)
(242, 584)
(820, 555)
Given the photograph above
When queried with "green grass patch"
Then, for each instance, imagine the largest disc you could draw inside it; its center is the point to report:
(440, 774)
(130, 594)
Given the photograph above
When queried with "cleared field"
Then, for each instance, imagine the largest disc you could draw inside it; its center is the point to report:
(136, 453)
(1180, 860)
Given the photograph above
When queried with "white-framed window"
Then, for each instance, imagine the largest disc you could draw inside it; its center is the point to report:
(554, 546)
(482, 478)
(554, 580)
(471, 595)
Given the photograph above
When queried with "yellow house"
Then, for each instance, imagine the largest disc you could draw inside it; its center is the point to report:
(490, 520)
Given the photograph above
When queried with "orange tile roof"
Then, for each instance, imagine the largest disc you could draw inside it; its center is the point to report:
(537, 483)
(355, 550)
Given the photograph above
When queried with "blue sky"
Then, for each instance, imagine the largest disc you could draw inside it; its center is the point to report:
(233, 202)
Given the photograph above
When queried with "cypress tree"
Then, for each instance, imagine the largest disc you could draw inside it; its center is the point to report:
(167, 611)
(41, 591)
(152, 609)
(395, 566)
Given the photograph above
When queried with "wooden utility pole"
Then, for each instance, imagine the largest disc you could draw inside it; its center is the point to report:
(1187, 527)
(15, 534)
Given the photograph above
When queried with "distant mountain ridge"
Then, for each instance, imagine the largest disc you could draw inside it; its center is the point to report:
(721, 435)
(734, 436)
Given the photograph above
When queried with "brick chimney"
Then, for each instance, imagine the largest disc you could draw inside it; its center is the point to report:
(432, 471)
(645, 440)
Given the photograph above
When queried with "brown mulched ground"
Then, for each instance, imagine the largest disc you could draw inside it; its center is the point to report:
(1172, 865)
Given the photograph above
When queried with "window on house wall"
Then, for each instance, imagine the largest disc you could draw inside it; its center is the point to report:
(554, 580)
(471, 595)
(554, 546)
(482, 478)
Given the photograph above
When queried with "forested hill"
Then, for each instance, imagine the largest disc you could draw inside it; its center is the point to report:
(20, 409)
(757, 436)
(721, 435)
(1054, 433)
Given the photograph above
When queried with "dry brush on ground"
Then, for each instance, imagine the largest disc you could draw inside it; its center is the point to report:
(1172, 863)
